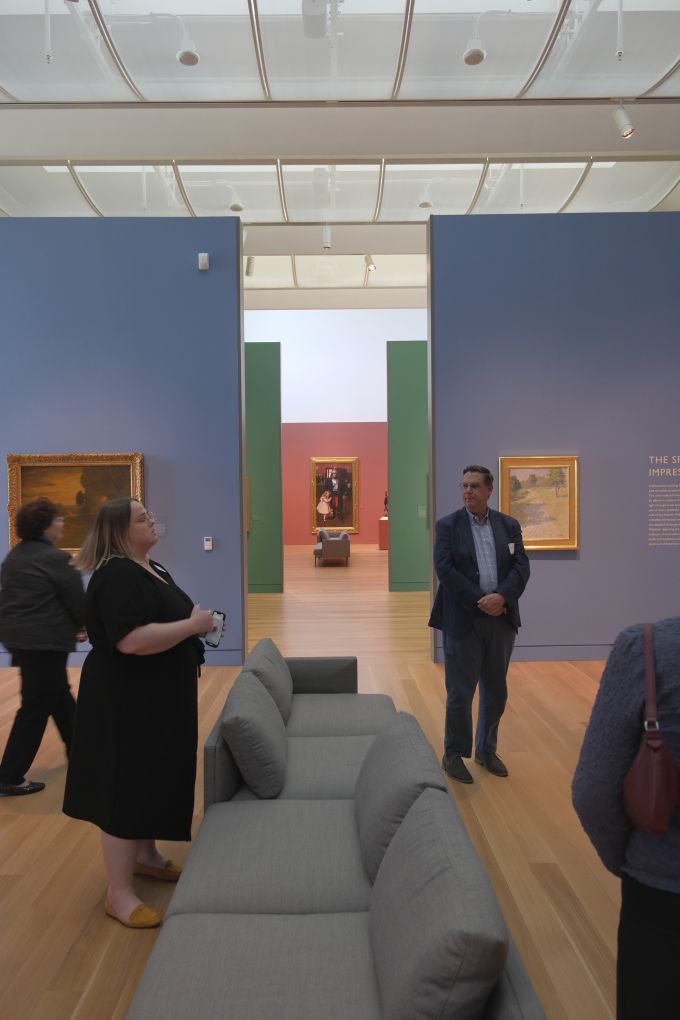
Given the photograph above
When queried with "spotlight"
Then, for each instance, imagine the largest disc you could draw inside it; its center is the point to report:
(236, 207)
(187, 53)
(326, 237)
(623, 122)
(188, 57)
(370, 264)
(250, 265)
(474, 52)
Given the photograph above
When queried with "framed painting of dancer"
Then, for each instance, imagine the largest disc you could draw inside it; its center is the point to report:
(334, 486)
(77, 482)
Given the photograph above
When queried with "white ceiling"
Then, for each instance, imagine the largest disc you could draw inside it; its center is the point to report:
(360, 114)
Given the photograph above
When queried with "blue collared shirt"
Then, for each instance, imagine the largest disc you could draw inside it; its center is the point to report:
(485, 547)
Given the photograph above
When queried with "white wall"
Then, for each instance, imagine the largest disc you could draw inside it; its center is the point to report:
(351, 341)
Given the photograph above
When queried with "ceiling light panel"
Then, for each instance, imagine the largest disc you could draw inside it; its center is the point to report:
(250, 192)
(528, 187)
(333, 193)
(150, 43)
(323, 49)
(330, 270)
(625, 187)
(133, 190)
(61, 58)
(400, 271)
(415, 192)
(270, 272)
(36, 191)
(510, 39)
(584, 61)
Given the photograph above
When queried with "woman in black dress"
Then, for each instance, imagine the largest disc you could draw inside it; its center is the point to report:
(133, 761)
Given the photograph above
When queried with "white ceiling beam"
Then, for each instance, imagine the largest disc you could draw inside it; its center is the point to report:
(333, 134)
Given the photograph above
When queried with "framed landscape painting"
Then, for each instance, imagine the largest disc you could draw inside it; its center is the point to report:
(334, 485)
(77, 482)
(542, 494)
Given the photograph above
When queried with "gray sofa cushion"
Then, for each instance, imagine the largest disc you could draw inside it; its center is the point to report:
(259, 967)
(399, 765)
(271, 669)
(274, 857)
(254, 732)
(324, 768)
(438, 937)
(321, 715)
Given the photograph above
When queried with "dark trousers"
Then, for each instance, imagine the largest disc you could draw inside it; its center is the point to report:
(481, 656)
(648, 962)
(44, 692)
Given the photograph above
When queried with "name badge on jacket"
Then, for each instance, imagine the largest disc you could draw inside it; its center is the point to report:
(511, 547)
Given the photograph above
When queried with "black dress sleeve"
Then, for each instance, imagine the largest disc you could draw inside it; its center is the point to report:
(119, 600)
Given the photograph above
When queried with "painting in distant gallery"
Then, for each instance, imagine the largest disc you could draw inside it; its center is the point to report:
(334, 483)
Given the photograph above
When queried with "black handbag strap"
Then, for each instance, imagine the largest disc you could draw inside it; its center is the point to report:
(652, 732)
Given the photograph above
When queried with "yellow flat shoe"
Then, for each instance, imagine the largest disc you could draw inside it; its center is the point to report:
(168, 873)
(141, 917)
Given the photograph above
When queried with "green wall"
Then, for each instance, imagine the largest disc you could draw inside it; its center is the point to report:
(263, 465)
(407, 454)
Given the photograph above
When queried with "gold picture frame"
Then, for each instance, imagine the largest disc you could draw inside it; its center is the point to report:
(77, 482)
(542, 494)
(334, 488)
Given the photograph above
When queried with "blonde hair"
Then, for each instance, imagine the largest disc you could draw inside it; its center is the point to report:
(108, 536)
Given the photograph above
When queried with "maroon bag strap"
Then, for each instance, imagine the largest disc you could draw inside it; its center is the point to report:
(652, 732)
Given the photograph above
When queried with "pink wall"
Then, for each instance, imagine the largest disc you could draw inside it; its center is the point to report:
(300, 441)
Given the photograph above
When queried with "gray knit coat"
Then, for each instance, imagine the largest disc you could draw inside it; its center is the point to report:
(610, 744)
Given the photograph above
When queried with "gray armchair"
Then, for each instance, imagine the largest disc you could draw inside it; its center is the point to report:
(331, 547)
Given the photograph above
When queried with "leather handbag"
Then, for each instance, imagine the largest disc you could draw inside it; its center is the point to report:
(650, 789)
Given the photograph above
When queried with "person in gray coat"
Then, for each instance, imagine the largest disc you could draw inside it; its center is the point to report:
(647, 977)
(41, 614)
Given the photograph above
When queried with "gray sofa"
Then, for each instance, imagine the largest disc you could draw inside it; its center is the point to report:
(338, 881)
(331, 547)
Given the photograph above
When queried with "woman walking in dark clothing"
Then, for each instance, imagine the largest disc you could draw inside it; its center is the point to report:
(133, 765)
(41, 613)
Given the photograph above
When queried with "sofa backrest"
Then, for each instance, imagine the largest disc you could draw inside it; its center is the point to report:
(398, 766)
(438, 937)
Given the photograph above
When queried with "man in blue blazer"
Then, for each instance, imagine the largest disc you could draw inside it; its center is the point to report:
(483, 569)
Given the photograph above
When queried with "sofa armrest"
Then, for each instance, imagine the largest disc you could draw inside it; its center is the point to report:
(221, 777)
(324, 674)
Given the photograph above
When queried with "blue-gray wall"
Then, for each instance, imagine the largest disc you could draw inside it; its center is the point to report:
(561, 334)
(113, 340)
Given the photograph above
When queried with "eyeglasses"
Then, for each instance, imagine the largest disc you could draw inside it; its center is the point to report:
(148, 515)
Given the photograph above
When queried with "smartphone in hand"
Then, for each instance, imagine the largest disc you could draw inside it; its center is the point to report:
(214, 636)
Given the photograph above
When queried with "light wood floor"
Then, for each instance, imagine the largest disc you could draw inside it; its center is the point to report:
(60, 957)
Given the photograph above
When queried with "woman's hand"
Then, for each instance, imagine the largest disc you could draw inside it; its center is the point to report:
(202, 620)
